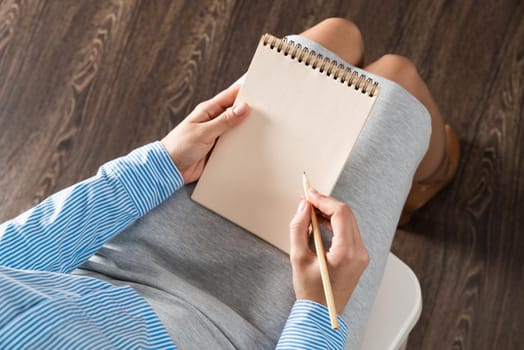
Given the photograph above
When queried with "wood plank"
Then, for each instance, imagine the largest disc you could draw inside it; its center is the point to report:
(82, 82)
(473, 279)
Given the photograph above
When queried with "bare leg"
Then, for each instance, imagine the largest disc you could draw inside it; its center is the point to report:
(340, 36)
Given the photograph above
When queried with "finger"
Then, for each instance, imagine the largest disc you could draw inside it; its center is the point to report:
(227, 120)
(298, 230)
(327, 205)
(340, 216)
(215, 106)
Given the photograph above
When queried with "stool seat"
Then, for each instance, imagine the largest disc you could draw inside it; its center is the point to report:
(396, 309)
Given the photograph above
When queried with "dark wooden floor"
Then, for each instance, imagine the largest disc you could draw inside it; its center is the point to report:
(82, 82)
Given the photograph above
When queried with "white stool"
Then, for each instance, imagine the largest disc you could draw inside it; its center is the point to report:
(396, 310)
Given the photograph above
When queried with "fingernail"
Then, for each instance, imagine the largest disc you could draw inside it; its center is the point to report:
(240, 109)
(301, 206)
(313, 191)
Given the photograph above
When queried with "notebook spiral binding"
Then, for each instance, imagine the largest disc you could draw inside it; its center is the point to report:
(344, 74)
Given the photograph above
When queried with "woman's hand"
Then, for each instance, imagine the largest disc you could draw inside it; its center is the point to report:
(347, 257)
(190, 141)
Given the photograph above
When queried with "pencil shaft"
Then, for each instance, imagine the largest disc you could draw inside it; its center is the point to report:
(321, 256)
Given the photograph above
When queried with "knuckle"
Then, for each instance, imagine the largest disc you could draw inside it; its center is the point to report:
(344, 210)
(359, 258)
(364, 258)
(350, 255)
(296, 225)
(338, 262)
(201, 107)
(202, 133)
(297, 222)
(228, 117)
(297, 257)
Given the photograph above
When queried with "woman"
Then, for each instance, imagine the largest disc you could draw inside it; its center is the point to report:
(181, 276)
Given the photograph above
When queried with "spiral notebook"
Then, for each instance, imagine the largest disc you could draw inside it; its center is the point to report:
(306, 114)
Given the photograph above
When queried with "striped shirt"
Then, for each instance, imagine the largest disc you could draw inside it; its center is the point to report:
(42, 306)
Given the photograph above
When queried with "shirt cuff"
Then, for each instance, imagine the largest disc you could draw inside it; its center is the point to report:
(309, 326)
(148, 175)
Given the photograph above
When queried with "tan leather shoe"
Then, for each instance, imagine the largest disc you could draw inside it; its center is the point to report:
(422, 192)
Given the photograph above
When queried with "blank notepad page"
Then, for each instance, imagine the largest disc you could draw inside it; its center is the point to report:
(300, 120)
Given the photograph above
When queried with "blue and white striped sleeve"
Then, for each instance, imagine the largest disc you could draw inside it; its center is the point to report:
(67, 228)
(308, 327)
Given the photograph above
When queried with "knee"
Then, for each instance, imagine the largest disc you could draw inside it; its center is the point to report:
(342, 37)
(397, 68)
(343, 26)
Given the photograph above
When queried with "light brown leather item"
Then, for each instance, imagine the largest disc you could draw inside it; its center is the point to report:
(422, 192)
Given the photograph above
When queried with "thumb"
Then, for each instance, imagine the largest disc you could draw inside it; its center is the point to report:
(298, 228)
(230, 118)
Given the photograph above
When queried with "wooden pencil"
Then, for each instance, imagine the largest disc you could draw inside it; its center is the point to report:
(321, 256)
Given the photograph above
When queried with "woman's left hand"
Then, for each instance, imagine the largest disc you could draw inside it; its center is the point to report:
(190, 141)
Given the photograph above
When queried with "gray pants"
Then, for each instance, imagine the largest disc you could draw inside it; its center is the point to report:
(216, 286)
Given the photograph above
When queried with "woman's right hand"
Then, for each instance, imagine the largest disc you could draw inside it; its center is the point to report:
(346, 259)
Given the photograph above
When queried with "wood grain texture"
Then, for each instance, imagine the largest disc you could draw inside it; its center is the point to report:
(82, 82)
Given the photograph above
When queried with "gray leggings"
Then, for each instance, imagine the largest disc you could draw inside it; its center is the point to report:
(216, 286)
